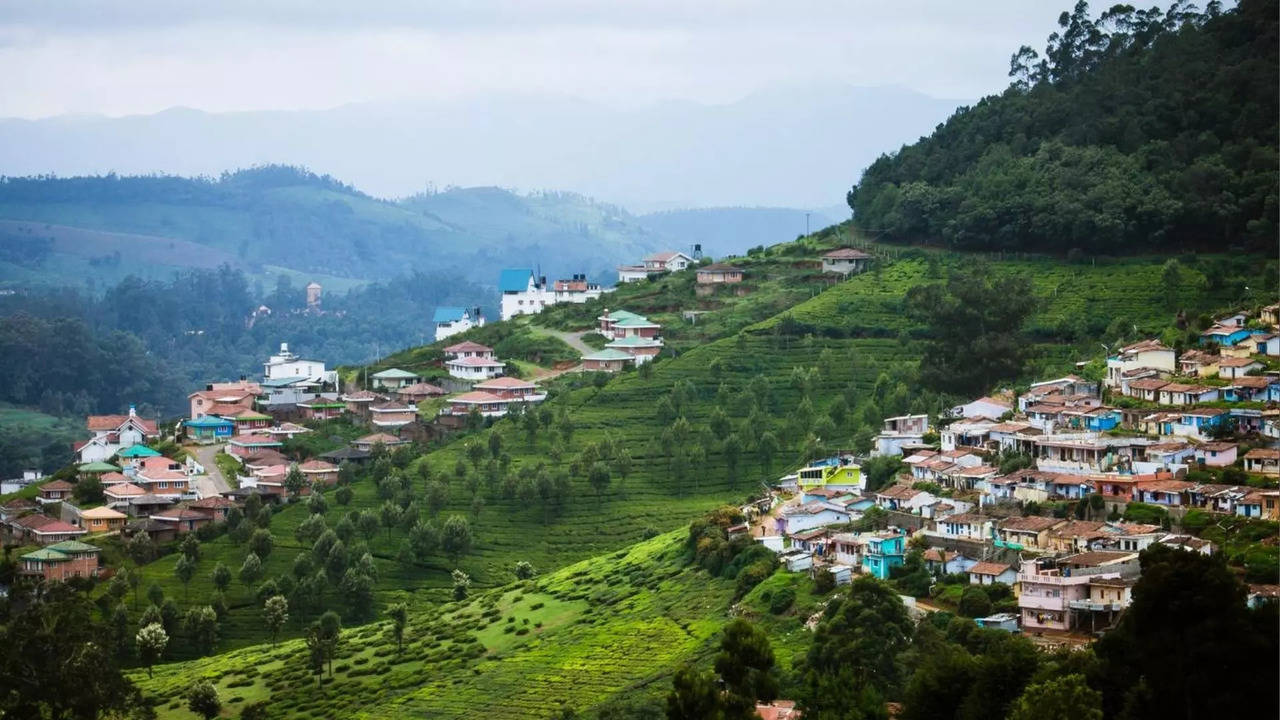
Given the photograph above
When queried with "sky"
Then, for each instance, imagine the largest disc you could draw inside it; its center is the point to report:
(143, 56)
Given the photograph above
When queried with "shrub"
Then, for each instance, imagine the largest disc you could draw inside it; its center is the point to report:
(823, 582)
(782, 600)
(974, 602)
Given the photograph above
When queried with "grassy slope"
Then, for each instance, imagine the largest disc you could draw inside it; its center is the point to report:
(864, 315)
(612, 624)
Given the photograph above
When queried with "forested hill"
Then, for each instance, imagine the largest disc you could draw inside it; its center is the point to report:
(274, 219)
(1134, 131)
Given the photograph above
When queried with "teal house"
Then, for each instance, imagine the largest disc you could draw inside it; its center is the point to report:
(882, 552)
(208, 427)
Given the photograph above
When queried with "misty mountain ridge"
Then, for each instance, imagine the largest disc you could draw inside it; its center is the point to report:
(675, 153)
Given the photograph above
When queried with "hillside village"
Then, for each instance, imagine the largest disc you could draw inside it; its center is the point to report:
(1026, 508)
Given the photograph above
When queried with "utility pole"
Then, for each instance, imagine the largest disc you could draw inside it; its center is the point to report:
(806, 224)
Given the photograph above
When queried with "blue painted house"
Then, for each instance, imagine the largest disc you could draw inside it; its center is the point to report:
(1226, 335)
(208, 427)
(883, 551)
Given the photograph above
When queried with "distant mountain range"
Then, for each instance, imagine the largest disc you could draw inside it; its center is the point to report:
(797, 147)
(276, 220)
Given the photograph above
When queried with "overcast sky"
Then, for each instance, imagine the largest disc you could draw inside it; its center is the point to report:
(142, 56)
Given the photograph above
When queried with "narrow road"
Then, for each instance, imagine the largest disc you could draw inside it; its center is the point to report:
(573, 340)
(213, 483)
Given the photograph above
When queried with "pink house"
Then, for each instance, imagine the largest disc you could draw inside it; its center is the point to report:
(1216, 454)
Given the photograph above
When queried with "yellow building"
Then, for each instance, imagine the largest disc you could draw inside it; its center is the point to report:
(847, 475)
(102, 519)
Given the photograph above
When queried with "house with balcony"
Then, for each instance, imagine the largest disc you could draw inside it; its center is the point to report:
(900, 432)
(839, 473)
(881, 552)
(1107, 597)
(1144, 354)
(472, 361)
(1050, 585)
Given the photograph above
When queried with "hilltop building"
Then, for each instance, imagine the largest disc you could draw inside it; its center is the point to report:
(657, 263)
(524, 293)
(450, 321)
(845, 261)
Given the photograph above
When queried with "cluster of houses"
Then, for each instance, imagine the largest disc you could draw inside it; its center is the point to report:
(1067, 574)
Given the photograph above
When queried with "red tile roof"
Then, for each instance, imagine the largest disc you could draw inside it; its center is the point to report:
(989, 568)
(468, 346)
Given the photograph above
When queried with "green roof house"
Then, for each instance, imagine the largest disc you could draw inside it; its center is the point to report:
(393, 379)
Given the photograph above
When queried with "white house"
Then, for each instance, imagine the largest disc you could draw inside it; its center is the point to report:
(524, 293)
(901, 431)
(1230, 368)
(472, 361)
(285, 365)
(845, 261)
(983, 407)
(1147, 353)
(799, 518)
(113, 433)
(987, 573)
(662, 262)
(450, 321)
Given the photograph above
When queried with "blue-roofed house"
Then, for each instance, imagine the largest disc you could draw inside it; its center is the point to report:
(208, 428)
(1226, 335)
(450, 321)
(524, 293)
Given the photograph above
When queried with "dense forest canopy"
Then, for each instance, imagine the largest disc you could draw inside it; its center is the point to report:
(1138, 130)
(151, 342)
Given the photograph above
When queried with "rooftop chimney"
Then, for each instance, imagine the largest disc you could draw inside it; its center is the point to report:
(133, 410)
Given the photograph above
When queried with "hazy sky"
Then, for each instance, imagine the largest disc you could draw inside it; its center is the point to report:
(141, 56)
